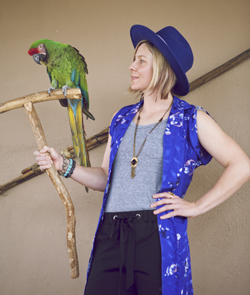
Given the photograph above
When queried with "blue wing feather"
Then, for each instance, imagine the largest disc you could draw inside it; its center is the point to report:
(73, 75)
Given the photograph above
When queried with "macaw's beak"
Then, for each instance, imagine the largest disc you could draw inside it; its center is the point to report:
(38, 57)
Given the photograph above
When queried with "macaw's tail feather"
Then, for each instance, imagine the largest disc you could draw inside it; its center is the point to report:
(77, 130)
(84, 154)
(88, 114)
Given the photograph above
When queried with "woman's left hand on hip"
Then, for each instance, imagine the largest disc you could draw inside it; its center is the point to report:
(175, 205)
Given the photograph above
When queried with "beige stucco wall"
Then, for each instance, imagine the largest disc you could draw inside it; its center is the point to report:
(33, 253)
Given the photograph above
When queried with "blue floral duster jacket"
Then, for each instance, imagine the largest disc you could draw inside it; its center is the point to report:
(182, 154)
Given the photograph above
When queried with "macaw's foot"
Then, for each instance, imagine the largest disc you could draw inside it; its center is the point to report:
(64, 89)
(50, 90)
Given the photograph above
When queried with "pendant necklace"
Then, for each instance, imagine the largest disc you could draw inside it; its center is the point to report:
(134, 161)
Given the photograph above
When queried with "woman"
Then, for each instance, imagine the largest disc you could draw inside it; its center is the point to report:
(141, 245)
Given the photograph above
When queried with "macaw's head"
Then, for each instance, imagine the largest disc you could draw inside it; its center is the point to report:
(38, 51)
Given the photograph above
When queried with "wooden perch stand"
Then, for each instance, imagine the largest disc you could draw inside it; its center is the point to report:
(60, 187)
(27, 103)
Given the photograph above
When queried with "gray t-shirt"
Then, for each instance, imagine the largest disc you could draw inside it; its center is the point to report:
(127, 194)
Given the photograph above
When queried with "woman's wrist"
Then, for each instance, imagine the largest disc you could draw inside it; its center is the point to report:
(200, 208)
(67, 167)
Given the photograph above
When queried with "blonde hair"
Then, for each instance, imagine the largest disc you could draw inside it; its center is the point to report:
(164, 78)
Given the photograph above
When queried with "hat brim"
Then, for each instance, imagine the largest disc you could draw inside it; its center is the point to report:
(139, 33)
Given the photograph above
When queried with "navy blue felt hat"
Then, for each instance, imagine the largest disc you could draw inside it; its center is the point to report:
(175, 49)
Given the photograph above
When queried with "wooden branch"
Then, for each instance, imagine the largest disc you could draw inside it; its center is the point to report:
(102, 137)
(220, 70)
(60, 187)
(73, 93)
(29, 173)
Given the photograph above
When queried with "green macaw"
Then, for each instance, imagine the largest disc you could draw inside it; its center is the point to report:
(67, 68)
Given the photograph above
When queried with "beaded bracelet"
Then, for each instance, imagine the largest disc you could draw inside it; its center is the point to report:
(71, 170)
(65, 166)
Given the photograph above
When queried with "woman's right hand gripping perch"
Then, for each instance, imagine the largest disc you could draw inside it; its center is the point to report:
(91, 177)
(45, 161)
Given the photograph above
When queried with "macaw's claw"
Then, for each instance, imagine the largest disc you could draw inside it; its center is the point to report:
(64, 89)
(50, 90)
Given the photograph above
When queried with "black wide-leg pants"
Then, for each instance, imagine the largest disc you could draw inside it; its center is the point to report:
(127, 256)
